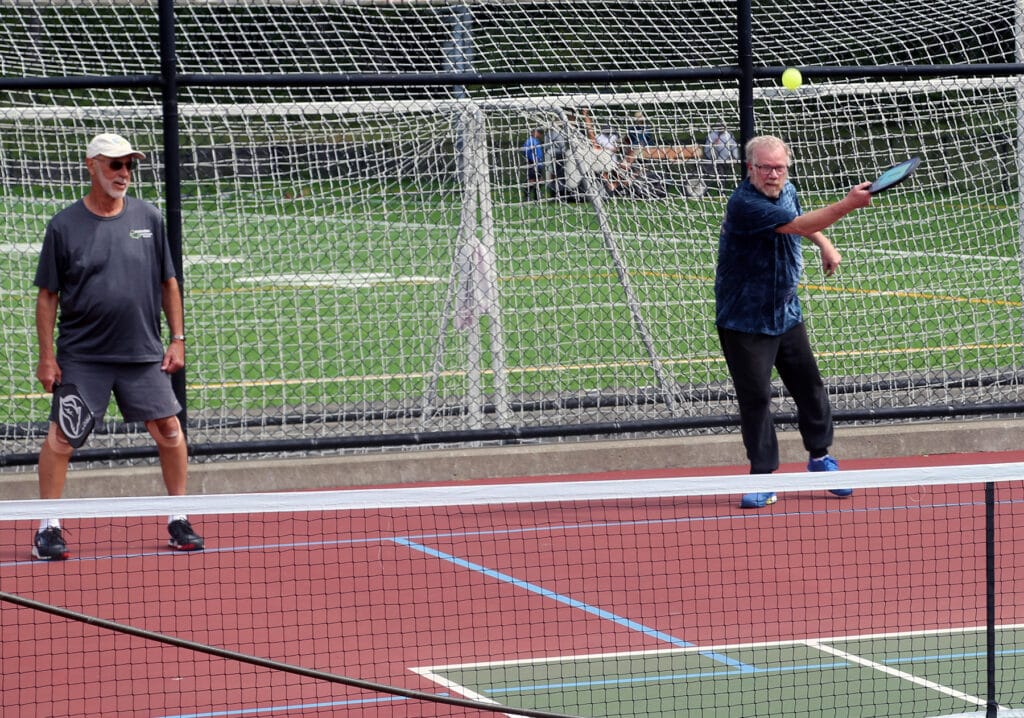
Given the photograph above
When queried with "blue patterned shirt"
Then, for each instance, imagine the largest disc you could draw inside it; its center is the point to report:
(759, 269)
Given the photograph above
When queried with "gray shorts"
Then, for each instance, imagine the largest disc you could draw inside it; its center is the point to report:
(143, 391)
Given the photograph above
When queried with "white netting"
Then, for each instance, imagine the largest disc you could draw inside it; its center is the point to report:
(46, 38)
(329, 231)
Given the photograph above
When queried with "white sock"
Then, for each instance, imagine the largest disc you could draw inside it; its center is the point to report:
(176, 517)
(49, 523)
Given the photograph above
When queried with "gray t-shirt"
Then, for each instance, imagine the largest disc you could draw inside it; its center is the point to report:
(108, 273)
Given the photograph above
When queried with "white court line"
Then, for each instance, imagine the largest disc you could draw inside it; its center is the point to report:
(1001, 713)
(454, 687)
(717, 648)
(903, 675)
(336, 279)
(21, 247)
(192, 260)
(432, 673)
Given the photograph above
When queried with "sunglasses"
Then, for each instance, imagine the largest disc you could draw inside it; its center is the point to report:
(117, 165)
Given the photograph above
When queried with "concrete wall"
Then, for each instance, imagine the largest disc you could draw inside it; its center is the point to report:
(503, 462)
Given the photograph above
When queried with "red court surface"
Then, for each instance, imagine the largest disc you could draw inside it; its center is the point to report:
(372, 595)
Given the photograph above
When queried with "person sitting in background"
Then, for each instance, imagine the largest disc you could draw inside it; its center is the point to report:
(533, 152)
(721, 146)
(607, 139)
(638, 134)
(556, 149)
(605, 161)
(568, 157)
(642, 144)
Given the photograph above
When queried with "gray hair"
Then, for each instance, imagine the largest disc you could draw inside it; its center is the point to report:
(765, 142)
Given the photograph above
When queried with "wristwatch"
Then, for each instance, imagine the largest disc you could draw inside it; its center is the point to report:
(177, 337)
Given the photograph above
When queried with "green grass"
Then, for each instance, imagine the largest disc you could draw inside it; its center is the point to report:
(928, 285)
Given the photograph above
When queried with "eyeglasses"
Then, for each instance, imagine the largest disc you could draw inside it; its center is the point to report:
(769, 169)
(117, 165)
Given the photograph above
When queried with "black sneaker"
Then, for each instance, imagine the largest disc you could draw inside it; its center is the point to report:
(49, 545)
(183, 538)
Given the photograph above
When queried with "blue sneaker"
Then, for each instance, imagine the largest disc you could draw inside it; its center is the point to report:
(758, 501)
(827, 463)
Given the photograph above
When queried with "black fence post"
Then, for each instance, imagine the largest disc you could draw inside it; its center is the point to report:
(745, 61)
(172, 171)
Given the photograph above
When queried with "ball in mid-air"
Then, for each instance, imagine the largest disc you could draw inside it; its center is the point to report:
(792, 78)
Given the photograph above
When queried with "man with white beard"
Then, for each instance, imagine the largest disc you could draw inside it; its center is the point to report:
(106, 271)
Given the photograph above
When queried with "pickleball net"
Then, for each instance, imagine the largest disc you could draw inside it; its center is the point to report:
(633, 597)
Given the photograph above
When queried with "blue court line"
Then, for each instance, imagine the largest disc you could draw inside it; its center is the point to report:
(571, 602)
(663, 678)
(950, 656)
(269, 710)
(698, 675)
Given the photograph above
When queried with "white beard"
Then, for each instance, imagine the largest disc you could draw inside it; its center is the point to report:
(110, 188)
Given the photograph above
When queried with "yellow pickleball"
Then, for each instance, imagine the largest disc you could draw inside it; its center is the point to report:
(792, 78)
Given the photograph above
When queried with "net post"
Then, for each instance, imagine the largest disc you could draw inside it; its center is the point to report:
(745, 58)
(992, 694)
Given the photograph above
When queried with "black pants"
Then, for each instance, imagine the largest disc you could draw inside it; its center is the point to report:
(750, 358)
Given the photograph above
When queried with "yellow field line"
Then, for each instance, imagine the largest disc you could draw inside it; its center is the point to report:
(547, 368)
(677, 276)
(902, 294)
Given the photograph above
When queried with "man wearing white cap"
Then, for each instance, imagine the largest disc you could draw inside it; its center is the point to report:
(106, 272)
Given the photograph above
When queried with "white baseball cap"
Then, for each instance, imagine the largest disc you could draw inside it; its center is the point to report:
(111, 145)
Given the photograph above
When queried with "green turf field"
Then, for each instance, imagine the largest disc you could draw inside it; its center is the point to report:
(337, 297)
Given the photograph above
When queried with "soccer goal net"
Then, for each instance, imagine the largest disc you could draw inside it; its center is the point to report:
(369, 258)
